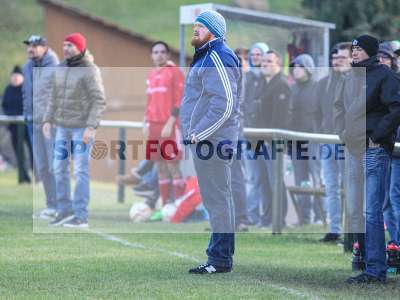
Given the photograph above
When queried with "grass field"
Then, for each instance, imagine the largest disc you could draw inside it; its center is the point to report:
(99, 265)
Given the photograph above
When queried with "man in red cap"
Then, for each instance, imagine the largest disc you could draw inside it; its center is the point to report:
(76, 104)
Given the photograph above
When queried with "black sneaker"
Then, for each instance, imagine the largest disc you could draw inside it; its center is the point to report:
(330, 237)
(209, 269)
(365, 279)
(76, 223)
(62, 218)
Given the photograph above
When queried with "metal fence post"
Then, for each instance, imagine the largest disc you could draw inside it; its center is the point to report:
(20, 150)
(277, 205)
(121, 163)
(348, 237)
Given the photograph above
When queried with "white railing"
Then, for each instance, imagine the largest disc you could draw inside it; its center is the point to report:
(249, 132)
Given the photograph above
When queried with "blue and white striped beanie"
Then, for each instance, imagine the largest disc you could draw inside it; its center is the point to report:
(214, 21)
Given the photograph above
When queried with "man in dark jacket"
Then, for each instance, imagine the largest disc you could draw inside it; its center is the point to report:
(75, 106)
(392, 214)
(391, 207)
(36, 77)
(391, 210)
(209, 119)
(332, 165)
(275, 102)
(276, 93)
(367, 115)
(13, 106)
(302, 115)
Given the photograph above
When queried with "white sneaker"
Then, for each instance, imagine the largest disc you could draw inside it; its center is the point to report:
(47, 214)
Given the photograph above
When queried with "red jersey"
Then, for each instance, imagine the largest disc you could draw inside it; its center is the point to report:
(164, 93)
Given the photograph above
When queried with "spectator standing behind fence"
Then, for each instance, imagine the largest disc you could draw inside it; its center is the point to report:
(165, 85)
(13, 106)
(332, 163)
(275, 102)
(396, 50)
(40, 58)
(391, 207)
(75, 106)
(367, 116)
(303, 118)
(238, 174)
(258, 188)
(387, 56)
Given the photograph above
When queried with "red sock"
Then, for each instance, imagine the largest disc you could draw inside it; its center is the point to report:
(164, 185)
(179, 187)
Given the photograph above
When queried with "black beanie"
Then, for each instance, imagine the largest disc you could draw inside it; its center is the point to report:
(368, 43)
(17, 70)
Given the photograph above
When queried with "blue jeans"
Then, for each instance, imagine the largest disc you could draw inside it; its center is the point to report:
(307, 170)
(376, 164)
(332, 169)
(214, 177)
(395, 192)
(69, 145)
(258, 189)
(42, 149)
(392, 204)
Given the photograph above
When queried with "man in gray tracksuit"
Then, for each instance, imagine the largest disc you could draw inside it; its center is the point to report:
(209, 118)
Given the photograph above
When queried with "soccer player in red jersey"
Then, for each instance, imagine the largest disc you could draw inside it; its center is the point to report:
(165, 85)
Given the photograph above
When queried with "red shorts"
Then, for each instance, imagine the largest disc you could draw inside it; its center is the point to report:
(167, 149)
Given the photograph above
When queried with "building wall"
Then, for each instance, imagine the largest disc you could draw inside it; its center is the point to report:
(111, 48)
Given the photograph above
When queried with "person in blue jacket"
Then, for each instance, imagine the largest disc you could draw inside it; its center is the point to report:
(209, 119)
(41, 61)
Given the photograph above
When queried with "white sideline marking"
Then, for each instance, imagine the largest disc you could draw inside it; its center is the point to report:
(121, 241)
(114, 238)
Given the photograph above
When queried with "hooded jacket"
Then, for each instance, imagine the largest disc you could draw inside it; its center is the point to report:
(368, 107)
(36, 76)
(253, 92)
(262, 46)
(209, 107)
(303, 104)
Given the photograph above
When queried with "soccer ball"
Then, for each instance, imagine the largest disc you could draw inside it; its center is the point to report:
(168, 211)
(140, 212)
